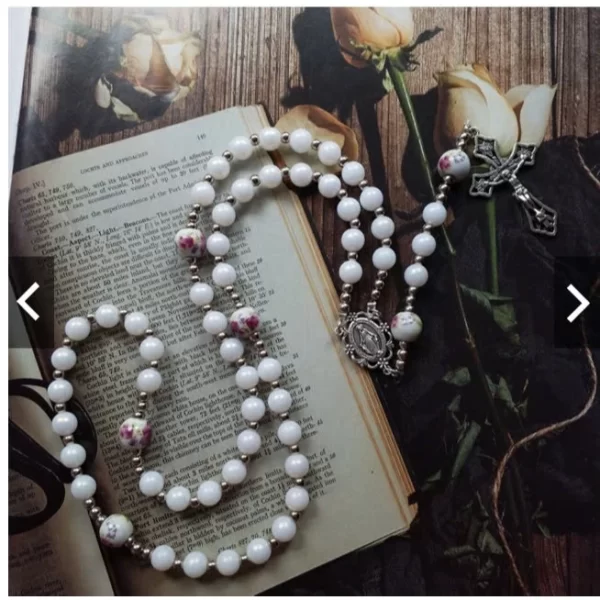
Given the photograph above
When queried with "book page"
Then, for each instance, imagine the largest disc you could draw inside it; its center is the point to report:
(109, 217)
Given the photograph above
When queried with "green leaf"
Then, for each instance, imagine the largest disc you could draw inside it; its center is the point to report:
(458, 377)
(501, 391)
(488, 543)
(465, 446)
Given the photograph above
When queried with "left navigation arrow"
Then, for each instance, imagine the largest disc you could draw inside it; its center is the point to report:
(22, 301)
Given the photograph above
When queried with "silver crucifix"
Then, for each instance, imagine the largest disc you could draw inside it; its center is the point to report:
(541, 218)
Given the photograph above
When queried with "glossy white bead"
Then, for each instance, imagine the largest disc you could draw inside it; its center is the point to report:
(289, 433)
(253, 409)
(284, 528)
(384, 258)
(77, 328)
(218, 167)
(224, 274)
(416, 275)
(72, 455)
(234, 471)
(107, 316)
(296, 465)
(60, 391)
(203, 193)
(258, 551)
(178, 498)
(151, 483)
(434, 213)
(209, 493)
(269, 138)
(300, 140)
(329, 185)
(195, 564)
(149, 380)
(455, 163)
(201, 293)
(270, 176)
(329, 153)
(242, 190)
(406, 326)
(63, 358)
(423, 244)
(231, 349)
(382, 227)
(246, 377)
(269, 369)
(83, 487)
(348, 209)
(152, 348)
(115, 531)
(136, 323)
(353, 173)
(248, 442)
(217, 244)
(353, 240)
(241, 147)
(279, 401)
(350, 271)
(64, 423)
(214, 322)
(162, 557)
(228, 562)
(297, 498)
(371, 198)
(223, 214)
(301, 174)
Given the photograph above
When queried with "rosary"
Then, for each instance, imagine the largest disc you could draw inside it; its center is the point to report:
(368, 339)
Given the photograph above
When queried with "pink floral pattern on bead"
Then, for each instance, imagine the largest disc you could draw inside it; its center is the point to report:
(135, 433)
(190, 242)
(244, 321)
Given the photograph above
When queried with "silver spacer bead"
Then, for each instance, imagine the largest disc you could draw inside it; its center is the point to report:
(67, 439)
(197, 207)
(221, 336)
(253, 391)
(386, 242)
(193, 217)
(148, 332)
(273, 542)
(294, 448)
(403, 353)
(193, 268)
(123, 312)
(255, 180)
(418, 258)
(448, 179)
(154, 364)
(91, 318)
(379, 211)
(352, 255)
(253, 424)
(344, 307)
(136, 548)
(363, 184)
(194, 502)
(209, 179)
(206, 308)
(177, 564)
(191, 224)
(58, 374)
(89, 503)
(139, 470)
(355, 223)
(254, 139)
(284, 415)
(228, 155)
(230, 199)
(244, 558)
(66, 342)
(299, 481)
(143, 395)
(409, 307)
(138, 414)
(95, 511)
(345, 297)
(240, 362)
(263, 354)
(371, 306)
(379, 284)
(347, 287)
(315, 144)
(59, 407)
(259, 344)
(76, 471)
(381, 274)
(295, 515)
(211, 564)
(285, 172)
(342, 194)
(216, 227)
(244, 458)
(441, 197)
(239, 305)
(274, 385)
(161, 497)
(195, 278)
(427, 227)
(235, 297)
(412, 289)
(146, 552)
(224, 486)
(285, 138)
(136, 460)
(343, 160)
(229, 289)
(375, 294)
(316, 176)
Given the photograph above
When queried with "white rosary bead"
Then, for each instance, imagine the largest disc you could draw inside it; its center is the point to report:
(423, 244)
(348, 209)
(195, 564)
(223, 214)
(218, 244)
(371, 198)
(284, 529)
(162, 557)
(77, 328)
(350, 271)
(203, 193)
(107, 316)
(384, 258)
(63, 358)
(434, 213)
(270, 176)
(329, 153)
(152, 349)
(60, 391)
(241, 147)
(136, 323)
(201, 293)
(269, 138)
(258, 551)
(64, 423)
(455, 163)
(178, 498)
(297, 498)
(416, 275)
(249, 442)
(296, 465)
(353, 240)
(329, 185)
(382, 227)
(83, 487)
(353, 173)
(149, 380)
(279, 401)
(115, 531)
(223, 275)
(253, 409)
(406, 326)
(246, 377)
(228, 562)
(300, 141)
(72, 455)
(289, 433)
(151, 483)
(269, 369)
(214, 322)
(218, 167)
(234, 471)
(242, 190)
(209, 493)
(301, 174)
(231, 349)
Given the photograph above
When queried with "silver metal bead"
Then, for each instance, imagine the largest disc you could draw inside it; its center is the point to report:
(216, 227)
(253, 424)
(255, 335)
(285, 172)
(427, 227)
(177, 564)
(363, 184)
(239, 305)
(244, 458)
(235, 297)
(441, 197)
(418, 258)
(285, 138)
(229, 289)
(197, 207)
(143, 395)
(136, 548)
(221, 336)
(148, 332)
(345, 297)
(138, 414)
(241, 362)
(352, 255)
(154, 364)
(381, 274)
(206, 308)
(283, 416)
(379, 211)
(259, 344)
(66, 342)
(273, 542)
(254, 139)
(193, 268)
(316, 176)
(129, 541)
(315, 144)
(211, 564)
(139, 470)
(224, 486)
(295, 515)
(263, 354)
(343, 160)
(299, 481)
(386, 242)
(253, 391)
(294, 448)
(347, 287)
(274, 385)
(230, 199)
(209, 179)
(344, 307)
(91, 318)
(59, 407)
(409, 307)
(136, 460)
(228, 155)
(448, 179)
(193, 217)
(191, 224)
(89, 503)
(218, 259)
(403, 353)
(146, 552)
(161, 497)
(194, 502)
(195, 278)
(371, 306)
(399, 365)
(342, 194)
(100, 519)
(244, 558)
(379, 284)
(95, 511)
(375, 294)
(355, 223)
(68, 439)
(58, 374)
(255, 180)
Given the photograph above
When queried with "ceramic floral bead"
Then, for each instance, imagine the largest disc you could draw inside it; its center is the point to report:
(406, 326)
(455, 163)
(135, 433)
(244, 321)
(191, 243)
(115, 530)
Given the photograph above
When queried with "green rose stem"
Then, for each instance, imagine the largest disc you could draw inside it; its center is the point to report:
(478, 375)
(490, 213)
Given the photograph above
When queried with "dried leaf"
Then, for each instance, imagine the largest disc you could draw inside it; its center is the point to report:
(465, 446)
(459, 377)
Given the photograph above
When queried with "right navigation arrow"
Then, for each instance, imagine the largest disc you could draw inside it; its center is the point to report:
(584, 303)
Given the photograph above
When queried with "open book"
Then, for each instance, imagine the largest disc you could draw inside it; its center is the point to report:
(108, 217)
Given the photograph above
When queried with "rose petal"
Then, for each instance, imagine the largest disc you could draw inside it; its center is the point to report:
(102, 94)
(532, 105)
